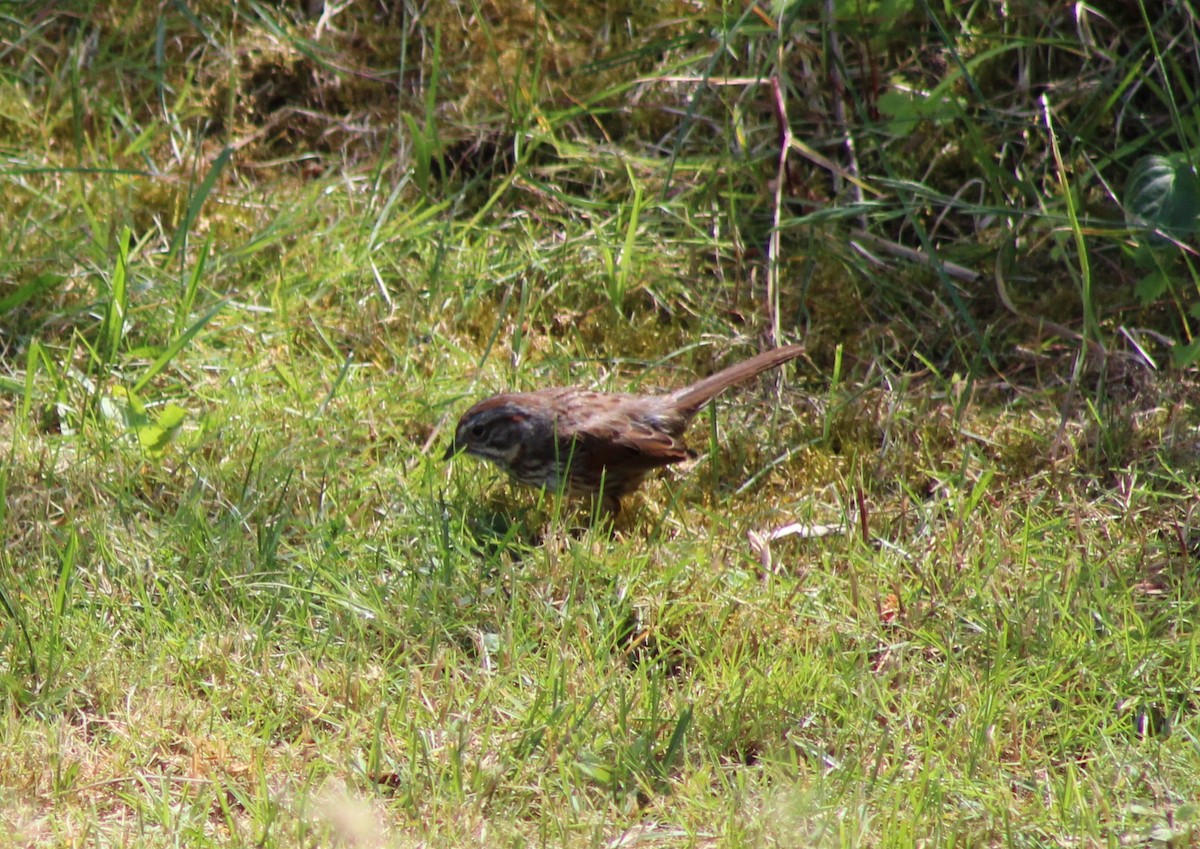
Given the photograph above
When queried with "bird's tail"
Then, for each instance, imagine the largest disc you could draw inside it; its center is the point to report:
(691, 398)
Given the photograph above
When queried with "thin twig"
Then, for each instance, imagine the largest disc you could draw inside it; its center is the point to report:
(773, 244)
(958, 272)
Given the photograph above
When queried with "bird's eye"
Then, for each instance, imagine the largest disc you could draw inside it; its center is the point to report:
(477, 430)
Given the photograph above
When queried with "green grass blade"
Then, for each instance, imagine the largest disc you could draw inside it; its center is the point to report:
(164, 359)
(184, 308)
(39, 285)
(113, 326)
(196, 202)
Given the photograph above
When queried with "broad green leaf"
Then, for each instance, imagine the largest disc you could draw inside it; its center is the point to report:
(1163, 193)
(155, 437)
(1151, 287)
(1186, 355)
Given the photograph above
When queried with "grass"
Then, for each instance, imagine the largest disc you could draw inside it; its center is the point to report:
(257, 264)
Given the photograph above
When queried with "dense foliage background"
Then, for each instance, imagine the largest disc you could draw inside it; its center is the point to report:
(258, 256)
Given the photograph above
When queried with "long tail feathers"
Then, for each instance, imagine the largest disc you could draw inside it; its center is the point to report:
(692, 398)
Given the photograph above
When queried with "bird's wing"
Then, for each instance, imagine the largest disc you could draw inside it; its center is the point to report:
(616, 430)
(619, 439)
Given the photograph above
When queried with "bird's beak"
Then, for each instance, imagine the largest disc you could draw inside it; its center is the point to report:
(450, 451)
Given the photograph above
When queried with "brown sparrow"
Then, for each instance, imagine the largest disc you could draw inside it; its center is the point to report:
(597, 444)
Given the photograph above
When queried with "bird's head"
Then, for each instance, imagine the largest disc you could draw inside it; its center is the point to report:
(494, 429)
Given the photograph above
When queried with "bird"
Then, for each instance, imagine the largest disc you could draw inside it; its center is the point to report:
(599, 445)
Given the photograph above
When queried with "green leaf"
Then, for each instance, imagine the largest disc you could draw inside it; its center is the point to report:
(901, 110)
(124, 408)
(1151, 287)
(155, 437)
(594, 770)
(1186, 355)
(907, 109)
(1163, 194)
